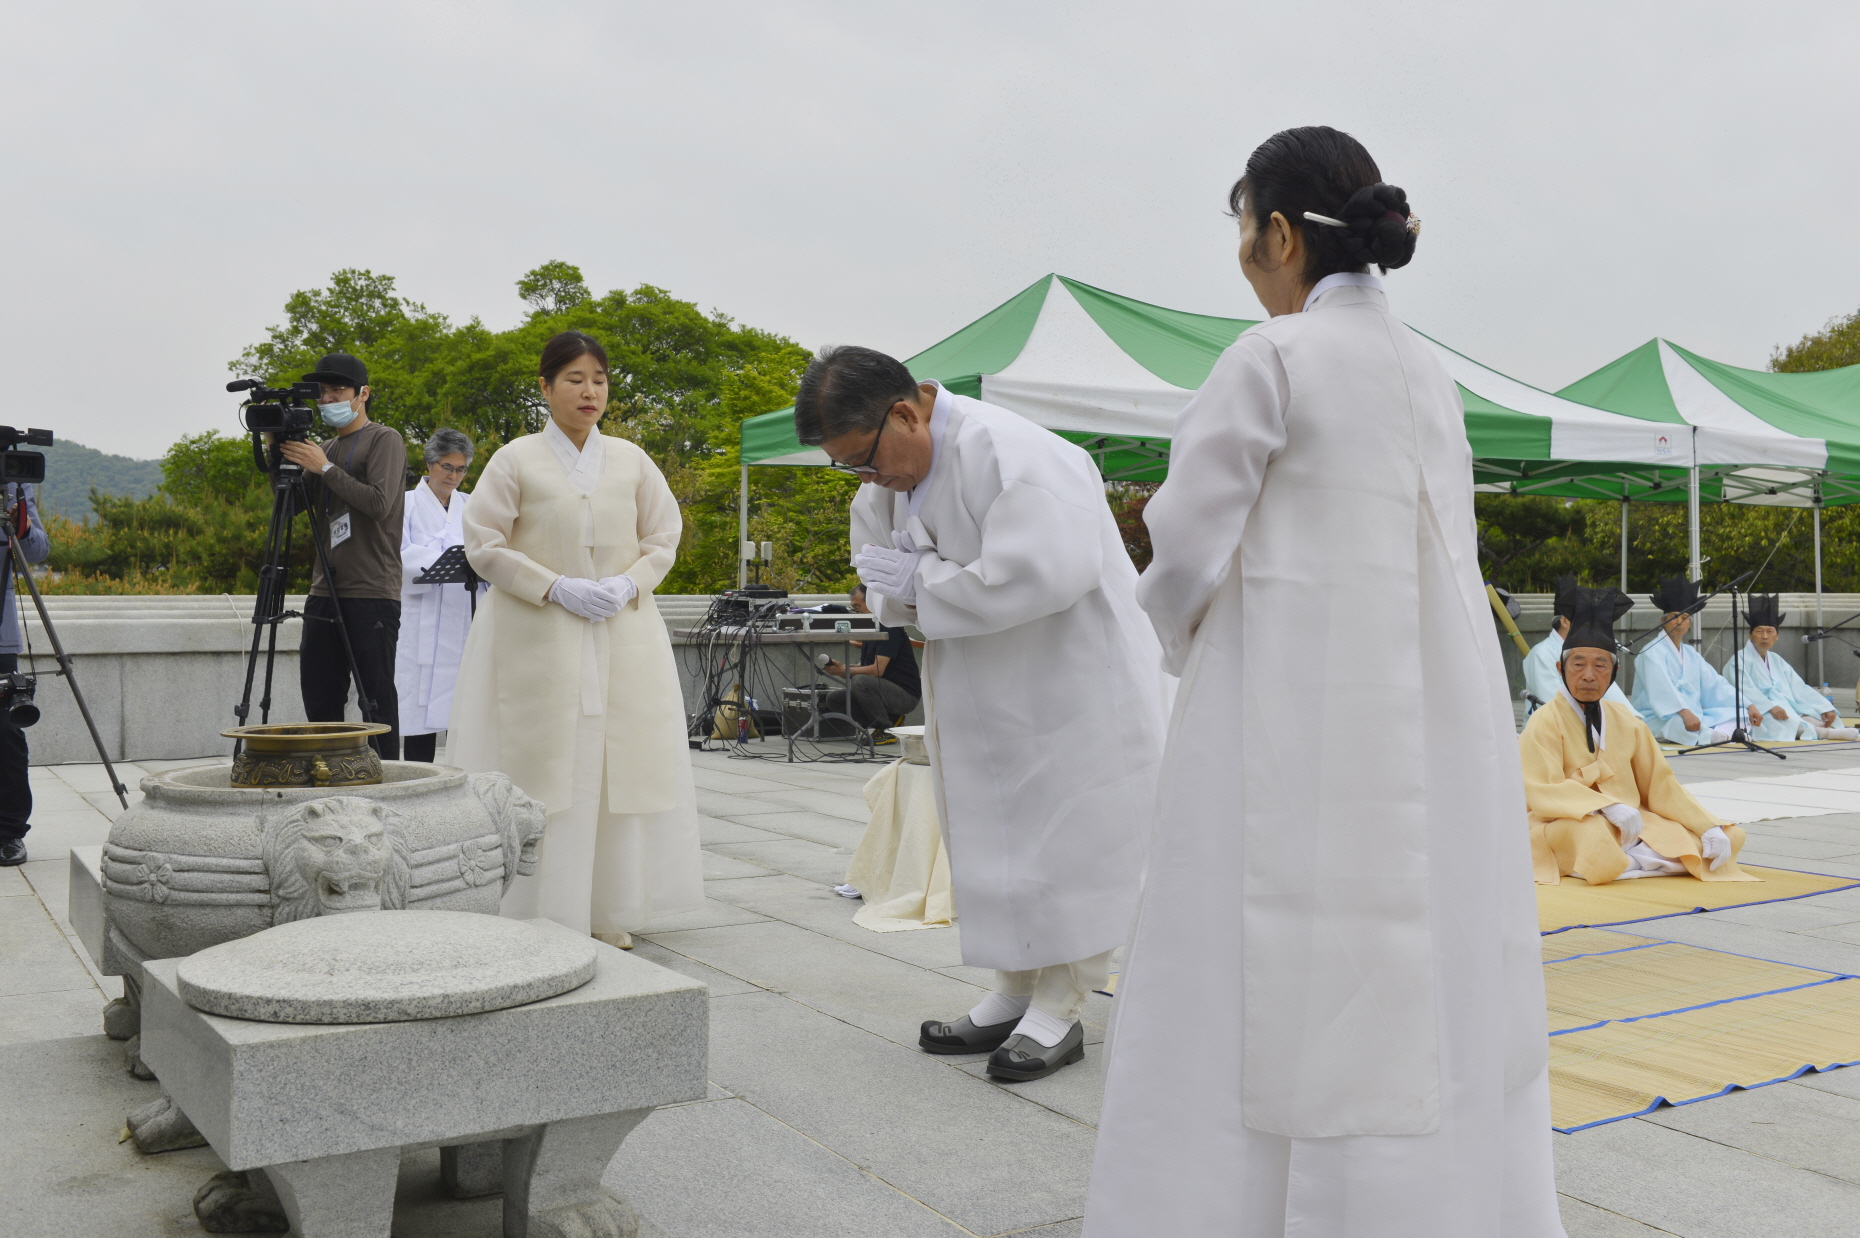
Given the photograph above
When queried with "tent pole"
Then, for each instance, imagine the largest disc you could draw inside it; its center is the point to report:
(1624, 540)
(742, 531)
(1821, 662)
(1693, 572)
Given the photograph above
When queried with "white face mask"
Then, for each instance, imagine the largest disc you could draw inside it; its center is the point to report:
(337, 415)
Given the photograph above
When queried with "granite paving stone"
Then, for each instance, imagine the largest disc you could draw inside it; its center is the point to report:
(13, 882)
(730, 807)
(721, 985)
(847, 806)
(713, 913)
(813, 905)
(1064, 1229)
(721, 867)
(1582, 1220)
(1806, 1127)
(1077, 1092)
(53, 834)
(27, 1017)
(93, 777)
(1701, 1189)
(714, 830)
(734, 783)
(1800, 949)
(870, 991)
(814, 827)
(50, 881)
(1795, 916)
(1773, 843)
(795, 856)
(1753, 853)
(34, 956)
(725, 1169)
(987, 1160)
(1832, 829)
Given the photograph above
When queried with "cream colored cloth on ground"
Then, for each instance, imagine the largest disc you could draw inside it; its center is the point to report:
(901, 866)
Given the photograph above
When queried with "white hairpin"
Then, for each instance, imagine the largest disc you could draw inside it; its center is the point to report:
(1316, 218)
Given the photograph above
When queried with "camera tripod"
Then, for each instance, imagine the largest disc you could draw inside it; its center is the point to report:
(17, 564)
(288, 496)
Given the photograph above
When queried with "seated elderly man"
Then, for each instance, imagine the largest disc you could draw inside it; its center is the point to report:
(1789, 708)
(1603, 803)
(1541, 676)
(1675, 691)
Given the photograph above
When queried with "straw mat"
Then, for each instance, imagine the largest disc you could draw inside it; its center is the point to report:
(1661, 978)
(1622, 1070)
(1577, 904)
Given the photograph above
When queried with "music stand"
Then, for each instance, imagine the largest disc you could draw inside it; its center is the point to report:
(452, 568)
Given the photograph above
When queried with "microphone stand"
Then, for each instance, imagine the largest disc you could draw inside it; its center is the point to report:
(1739, 736)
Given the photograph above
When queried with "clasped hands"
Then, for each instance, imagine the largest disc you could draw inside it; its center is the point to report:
(891, 572)
(594, 600)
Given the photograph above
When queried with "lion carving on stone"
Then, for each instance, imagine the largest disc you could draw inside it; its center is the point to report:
(519, 819)
(335, 855)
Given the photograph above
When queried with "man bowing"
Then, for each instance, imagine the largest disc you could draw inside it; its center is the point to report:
(1043, 688)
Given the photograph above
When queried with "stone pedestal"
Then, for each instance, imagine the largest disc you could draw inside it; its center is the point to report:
(325, 1109)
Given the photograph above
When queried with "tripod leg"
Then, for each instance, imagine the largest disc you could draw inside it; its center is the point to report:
(268, 606)
(64, 665)
(279, 557)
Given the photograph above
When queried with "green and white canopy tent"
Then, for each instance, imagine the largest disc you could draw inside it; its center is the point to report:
(1788, 440)
(1111, 373)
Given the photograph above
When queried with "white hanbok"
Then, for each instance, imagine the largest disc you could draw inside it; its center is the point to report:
(1330, 1022)
(1043, 690)
(1544, 680)
(433, 618)
(1769, 681)
(1669, 678)
(586, 717)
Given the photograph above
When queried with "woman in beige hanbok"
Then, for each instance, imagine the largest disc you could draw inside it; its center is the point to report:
(567, 683)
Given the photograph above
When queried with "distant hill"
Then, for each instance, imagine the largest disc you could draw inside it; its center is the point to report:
(72, 470)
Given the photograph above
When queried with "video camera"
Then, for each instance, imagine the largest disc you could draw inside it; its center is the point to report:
(26, 466)
(288, 414)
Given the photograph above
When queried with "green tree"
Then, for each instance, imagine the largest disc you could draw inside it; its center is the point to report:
(1835, 345)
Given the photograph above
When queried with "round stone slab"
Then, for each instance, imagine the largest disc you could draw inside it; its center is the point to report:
(384, 967)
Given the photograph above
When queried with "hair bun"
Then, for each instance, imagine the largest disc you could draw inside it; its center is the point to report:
(1382, 230)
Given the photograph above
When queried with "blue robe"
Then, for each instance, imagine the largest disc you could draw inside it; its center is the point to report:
(1772, 681)
(1669, 678)
(1542, 678)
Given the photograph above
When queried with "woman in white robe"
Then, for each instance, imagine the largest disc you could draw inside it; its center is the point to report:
(1331, 1017)
(568, 683)
(433, 618)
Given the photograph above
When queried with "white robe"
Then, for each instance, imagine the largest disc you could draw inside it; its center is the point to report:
(1669, 678)
(1330, 1021)
(1043, 693)
(1543, 679)
(1769, 681)
(433, 618)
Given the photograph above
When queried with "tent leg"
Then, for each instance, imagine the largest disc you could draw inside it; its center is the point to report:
(742, 531)
(1624, 541)
(1821, 661)
(1694, 570)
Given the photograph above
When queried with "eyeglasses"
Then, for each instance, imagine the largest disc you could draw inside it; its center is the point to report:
(865, 469)
(452, 470)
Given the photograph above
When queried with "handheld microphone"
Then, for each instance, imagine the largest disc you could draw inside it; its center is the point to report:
(1526, 694)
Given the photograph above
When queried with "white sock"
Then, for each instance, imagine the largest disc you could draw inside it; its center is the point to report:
(1650, 863)
(1043, 1027)
(998, 1008)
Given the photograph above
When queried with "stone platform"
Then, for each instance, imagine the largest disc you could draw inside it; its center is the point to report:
(823, 1119)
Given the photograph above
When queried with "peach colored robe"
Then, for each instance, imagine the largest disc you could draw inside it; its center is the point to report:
(1566, 786)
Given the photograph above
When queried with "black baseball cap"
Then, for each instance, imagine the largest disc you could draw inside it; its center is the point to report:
(339, 369)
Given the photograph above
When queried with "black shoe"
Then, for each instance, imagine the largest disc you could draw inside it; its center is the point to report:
(962, 1036)
(1022, 1057)
(12, 851)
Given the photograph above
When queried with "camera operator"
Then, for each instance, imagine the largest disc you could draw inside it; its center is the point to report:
(20, 506)
(357, 484)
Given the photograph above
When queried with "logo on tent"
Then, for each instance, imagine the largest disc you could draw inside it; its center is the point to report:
(1662, 446)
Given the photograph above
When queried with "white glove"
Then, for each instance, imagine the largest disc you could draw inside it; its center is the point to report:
(621, 587)
(891, 572)
(1716, 846)
(1625, 819)
(587, 598)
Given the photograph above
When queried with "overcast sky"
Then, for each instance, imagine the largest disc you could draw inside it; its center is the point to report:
(1590, 175)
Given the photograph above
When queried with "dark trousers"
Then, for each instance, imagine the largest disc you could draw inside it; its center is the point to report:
(323, 670)
(15, 789)
(420, 747)
(878, 702)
